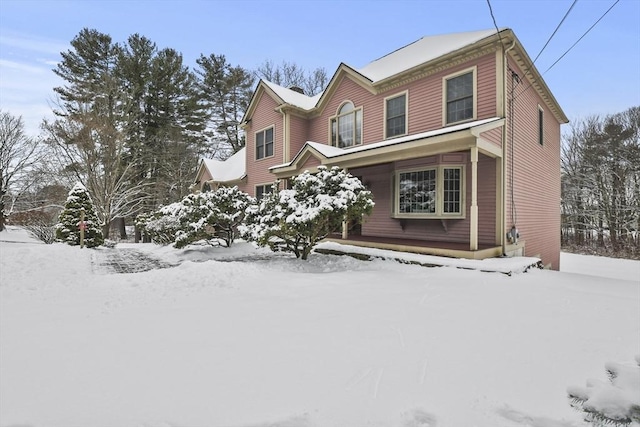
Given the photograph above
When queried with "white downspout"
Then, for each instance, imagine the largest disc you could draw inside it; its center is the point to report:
(503, 214)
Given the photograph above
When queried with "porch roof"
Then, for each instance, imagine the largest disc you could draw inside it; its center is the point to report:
(425, 143)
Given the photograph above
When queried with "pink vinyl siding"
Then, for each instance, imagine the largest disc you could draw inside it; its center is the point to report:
(298, 135)
(425, 105)
(536, 177)
(486, 200)
(494, 136)
(311, 163)
(258, 170)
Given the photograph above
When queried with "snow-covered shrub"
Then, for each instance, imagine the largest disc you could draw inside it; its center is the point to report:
(44, 232)
(212, 214)
(613, 403)
(160, 226)
(38, 222)
(68, 227)
(204, 216)
(296, 220)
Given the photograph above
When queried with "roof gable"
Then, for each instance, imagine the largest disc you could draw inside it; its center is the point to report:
(232, 169)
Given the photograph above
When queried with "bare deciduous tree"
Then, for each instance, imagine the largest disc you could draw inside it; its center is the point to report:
(289, 74)
(601, 184)
(19, 154)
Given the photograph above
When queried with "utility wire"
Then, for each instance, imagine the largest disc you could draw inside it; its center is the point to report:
(555, 31)
(587, 32)
(572, 46)
(494, 22)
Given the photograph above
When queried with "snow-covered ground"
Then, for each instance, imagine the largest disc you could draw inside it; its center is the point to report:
(246, 338)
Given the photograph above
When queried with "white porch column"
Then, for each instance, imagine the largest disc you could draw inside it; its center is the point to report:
(473, 230)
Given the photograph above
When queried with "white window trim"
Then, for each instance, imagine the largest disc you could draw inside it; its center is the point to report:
(255, 188)
(474, 78)
(439, 213)
(255, 140)
(335, 117)
(406, 113)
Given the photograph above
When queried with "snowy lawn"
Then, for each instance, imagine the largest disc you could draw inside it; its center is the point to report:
(273, 341)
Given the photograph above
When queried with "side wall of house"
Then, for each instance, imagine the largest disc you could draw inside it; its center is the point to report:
(264, 117)
(533, 172)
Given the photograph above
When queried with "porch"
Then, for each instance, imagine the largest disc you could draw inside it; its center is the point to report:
(423, 247)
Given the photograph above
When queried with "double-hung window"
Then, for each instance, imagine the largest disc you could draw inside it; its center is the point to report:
(263, 190)
(264, 143)
(434, 192)
(346, 126)
(460, 97)
(396, 115)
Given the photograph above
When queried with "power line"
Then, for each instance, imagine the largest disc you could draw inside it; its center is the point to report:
(555, 31)
(494, 22)
(572, 46)
(581, 37)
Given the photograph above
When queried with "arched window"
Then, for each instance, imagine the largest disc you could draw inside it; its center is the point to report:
(346, 126)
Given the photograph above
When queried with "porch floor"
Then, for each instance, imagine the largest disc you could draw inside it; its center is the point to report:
(425, 247)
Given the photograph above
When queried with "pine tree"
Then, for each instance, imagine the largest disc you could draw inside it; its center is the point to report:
(226, 90)
(68, 229)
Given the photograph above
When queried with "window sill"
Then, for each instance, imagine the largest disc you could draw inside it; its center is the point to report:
(426, 216)
(460, 122)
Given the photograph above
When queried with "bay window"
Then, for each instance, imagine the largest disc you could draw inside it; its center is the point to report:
(434, 192)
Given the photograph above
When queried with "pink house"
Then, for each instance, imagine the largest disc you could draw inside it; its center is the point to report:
(457, 136)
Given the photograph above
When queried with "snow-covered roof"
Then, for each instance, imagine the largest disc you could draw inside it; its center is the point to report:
(331, 152)
(419, 52)
(292, 97)
(231, 169)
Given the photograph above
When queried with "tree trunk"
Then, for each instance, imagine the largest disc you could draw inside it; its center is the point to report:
(122, 228)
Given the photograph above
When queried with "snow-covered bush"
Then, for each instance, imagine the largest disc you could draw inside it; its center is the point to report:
(160, 226)
(68, 227)
(211, 214)
(296, 220)
(203, 216)
(613, 403)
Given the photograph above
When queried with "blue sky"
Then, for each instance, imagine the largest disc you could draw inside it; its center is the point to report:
(600, 75)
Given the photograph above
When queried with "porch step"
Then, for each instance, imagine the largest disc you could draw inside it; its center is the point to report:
(504, 265)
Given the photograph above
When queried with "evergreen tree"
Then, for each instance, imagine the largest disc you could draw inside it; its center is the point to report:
(296, 220)
(226, 90)
(68, 228)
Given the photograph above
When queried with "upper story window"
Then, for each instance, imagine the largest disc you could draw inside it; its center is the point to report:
(540, 125)
(434, 192)
(264, 143)
(395, 110)
(460, 96)
(346, 126)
